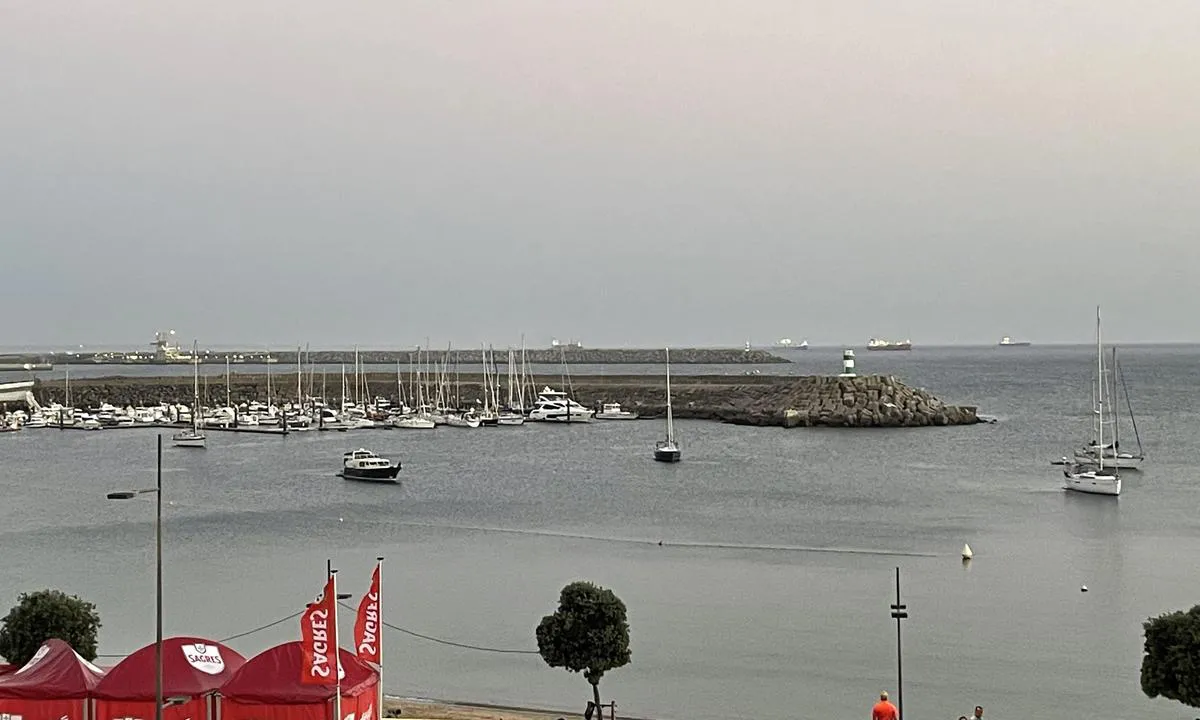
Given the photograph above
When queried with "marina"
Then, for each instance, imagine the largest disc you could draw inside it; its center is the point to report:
(780, 545)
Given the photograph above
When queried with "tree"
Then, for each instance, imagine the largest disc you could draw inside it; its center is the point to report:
(1171, 666)
(588, 633)
(46, 614)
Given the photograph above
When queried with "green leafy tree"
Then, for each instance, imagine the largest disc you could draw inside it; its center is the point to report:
(1171, 665)
(46, 614)
(588, 633)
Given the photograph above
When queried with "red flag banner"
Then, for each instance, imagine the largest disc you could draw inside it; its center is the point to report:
(318, 634)
(366, 623)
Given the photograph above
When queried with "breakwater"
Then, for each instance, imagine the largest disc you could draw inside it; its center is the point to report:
(542, 356)
(763, 400)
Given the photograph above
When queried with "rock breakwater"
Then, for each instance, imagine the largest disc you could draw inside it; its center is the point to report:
(762, 400)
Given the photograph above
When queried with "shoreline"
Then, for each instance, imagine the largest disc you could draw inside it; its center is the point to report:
(432, 709)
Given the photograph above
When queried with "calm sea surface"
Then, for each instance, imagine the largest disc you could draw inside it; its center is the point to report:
(769, 595)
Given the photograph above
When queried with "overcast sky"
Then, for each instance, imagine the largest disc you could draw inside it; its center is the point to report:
(629, 173)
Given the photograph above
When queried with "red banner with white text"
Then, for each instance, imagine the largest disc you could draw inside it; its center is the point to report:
(318, 635)
(367, 623)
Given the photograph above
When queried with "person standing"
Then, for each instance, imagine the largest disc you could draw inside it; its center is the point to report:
(978, 713)
(884, 709)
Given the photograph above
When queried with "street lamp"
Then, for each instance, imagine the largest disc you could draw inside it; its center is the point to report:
(158, 606)
(899, 612)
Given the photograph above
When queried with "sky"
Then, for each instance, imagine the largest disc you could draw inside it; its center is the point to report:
(624, 173)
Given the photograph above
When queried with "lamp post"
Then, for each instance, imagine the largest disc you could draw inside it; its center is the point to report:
(899, 612)
(158, 605)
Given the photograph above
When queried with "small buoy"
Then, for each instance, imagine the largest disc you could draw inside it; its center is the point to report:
(341, 519)
(1083, 588)
(966, 553)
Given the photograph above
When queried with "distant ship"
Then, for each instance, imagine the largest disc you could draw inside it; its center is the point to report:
(787, 343)
(877, 344)
(1006, 341)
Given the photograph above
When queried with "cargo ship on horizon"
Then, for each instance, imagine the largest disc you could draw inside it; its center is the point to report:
(1006, 341)
(877, 344)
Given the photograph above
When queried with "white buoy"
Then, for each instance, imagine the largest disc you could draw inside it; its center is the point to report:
(966, 553)
(1083, 588)
(848, 363)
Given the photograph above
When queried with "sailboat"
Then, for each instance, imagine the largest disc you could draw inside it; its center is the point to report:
(511, 414)
(668, 450)
(1097, 477)
(419, 419)
(192, 437)
(1113, 455)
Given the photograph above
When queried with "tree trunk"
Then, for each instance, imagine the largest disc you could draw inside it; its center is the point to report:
(596, 695)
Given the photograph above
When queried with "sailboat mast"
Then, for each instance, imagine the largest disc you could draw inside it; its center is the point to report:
(487, 393)
(670, 417)
(195, 389)
(1116, 432)
(1099, 391)
(299, 382)
(1129, 406)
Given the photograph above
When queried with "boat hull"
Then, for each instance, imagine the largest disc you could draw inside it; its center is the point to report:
(379, 475)
(512, 420)
(561, 417)
(414, 423)
(1092, 483)
(1121, 462)
(666, 454)
(617, 416)
(188, 440)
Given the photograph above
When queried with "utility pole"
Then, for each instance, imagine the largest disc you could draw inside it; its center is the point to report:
(899, 612)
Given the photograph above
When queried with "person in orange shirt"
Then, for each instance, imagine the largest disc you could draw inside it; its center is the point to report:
(884, 709)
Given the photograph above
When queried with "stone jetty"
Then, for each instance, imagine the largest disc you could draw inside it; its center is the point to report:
(762, 400)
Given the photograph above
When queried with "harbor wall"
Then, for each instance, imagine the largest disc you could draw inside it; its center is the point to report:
(763, 400)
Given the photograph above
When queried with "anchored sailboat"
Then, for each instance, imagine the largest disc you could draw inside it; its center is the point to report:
(194, 436)
(1114, 456)
(668, 450)
(1097, 477)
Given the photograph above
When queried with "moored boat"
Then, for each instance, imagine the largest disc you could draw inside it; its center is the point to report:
(613, 411)
(364, 465)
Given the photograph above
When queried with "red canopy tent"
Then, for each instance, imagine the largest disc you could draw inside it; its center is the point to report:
(5, 669)
(193, 668)
(53, 685)
(268, 687)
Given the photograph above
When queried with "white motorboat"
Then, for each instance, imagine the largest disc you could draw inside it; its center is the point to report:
(366, 466)
(555, 406)
(613, 411)
(1099, 478)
